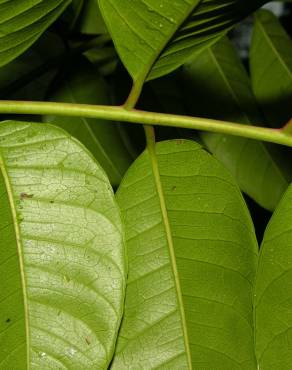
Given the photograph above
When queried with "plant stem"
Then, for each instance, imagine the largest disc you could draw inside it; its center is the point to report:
(134, 94)
(119, 113)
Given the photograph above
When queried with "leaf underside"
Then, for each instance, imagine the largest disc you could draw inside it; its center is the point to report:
(154, 38)
(273, 300)
(216, 257)
(22, 22)
(61, 253)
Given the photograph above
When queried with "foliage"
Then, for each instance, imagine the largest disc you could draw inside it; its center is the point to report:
(116, 256)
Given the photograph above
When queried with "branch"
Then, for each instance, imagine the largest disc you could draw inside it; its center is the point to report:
(121, 114)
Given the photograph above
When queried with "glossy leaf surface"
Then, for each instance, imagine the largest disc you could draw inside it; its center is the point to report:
(271, 68)
(273, 300)
(215, 254)
(216, 85)
(155, 37)
(61, 253)
(101, 137)
(22, 22)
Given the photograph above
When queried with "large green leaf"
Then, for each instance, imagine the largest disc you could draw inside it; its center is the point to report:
(216, 85)
(22, 22)
(82, 84)
(273, 300)
(193, 309)
(61, 253)
(271, 68)
(159, 36)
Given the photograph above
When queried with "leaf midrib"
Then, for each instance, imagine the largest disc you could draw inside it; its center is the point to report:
(19, 245)
(165, 220)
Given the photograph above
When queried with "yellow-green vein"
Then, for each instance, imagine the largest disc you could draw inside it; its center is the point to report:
(19, 251)
(150, 138)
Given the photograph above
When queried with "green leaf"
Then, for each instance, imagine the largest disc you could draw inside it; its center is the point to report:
(29, 75)
(82, 84)
(273, 304)
(271, 68)
(61, 253)
(91, 21)
(155, 37)
(23, 21)
(192, 256)
(217, 86)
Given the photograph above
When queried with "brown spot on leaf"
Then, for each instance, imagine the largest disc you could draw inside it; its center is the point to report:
(25, 196)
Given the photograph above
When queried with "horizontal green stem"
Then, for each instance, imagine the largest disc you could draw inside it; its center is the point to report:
(119, 113)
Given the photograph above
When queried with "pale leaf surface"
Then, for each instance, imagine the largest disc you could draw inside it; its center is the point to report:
(61, 253)
(216, 256)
